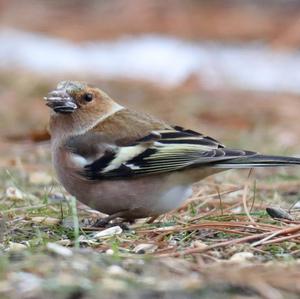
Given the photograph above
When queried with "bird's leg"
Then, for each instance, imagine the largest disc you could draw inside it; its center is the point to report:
(103, 222)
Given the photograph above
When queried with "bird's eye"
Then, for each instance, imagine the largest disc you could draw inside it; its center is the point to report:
(88, 97)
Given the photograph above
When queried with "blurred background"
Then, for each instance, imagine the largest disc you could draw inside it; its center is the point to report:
(230, 69)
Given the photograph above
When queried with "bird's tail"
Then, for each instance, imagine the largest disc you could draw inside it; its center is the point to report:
(258, 160)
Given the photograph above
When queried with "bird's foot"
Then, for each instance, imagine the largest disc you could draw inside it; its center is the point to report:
(104, 223)
(112, 220)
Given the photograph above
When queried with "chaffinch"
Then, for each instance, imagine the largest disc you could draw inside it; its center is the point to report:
(128, 164)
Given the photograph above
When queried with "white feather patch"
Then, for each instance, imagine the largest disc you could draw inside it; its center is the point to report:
(124, 154)
(133, 166)
(78, 161)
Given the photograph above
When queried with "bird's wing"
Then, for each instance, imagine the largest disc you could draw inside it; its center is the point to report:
(160, 151)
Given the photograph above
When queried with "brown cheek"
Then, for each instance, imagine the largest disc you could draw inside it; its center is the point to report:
(98, 107)
(88, 112)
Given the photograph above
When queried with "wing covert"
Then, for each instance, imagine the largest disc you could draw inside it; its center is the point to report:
(159, 152)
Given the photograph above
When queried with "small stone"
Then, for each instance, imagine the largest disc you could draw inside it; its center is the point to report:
(193, 283)
(278, 213)
(237, 210)
(15, 194)
(46, 220)
(114, 285)
(116, 270)
(25, 283)
(109, 251)
(5, 287)
(145, 248)
(199, 244)
(40, 178)
(241, 257)
(59, 250)
(16, 247)
(173, 243)
(109, 232)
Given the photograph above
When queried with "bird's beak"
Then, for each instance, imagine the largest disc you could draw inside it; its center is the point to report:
(60, 101)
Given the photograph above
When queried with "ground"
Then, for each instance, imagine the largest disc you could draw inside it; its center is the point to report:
(221, 243)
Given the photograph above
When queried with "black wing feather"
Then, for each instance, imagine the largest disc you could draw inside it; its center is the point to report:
(164, 151)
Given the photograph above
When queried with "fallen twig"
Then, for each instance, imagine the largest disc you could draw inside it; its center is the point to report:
(246, 239)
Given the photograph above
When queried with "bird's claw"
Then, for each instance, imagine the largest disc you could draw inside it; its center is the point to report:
(105, 223)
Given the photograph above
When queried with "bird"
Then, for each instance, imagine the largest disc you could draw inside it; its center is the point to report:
(129, 164)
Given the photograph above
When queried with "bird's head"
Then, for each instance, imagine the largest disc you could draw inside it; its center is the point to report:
(77, 106)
